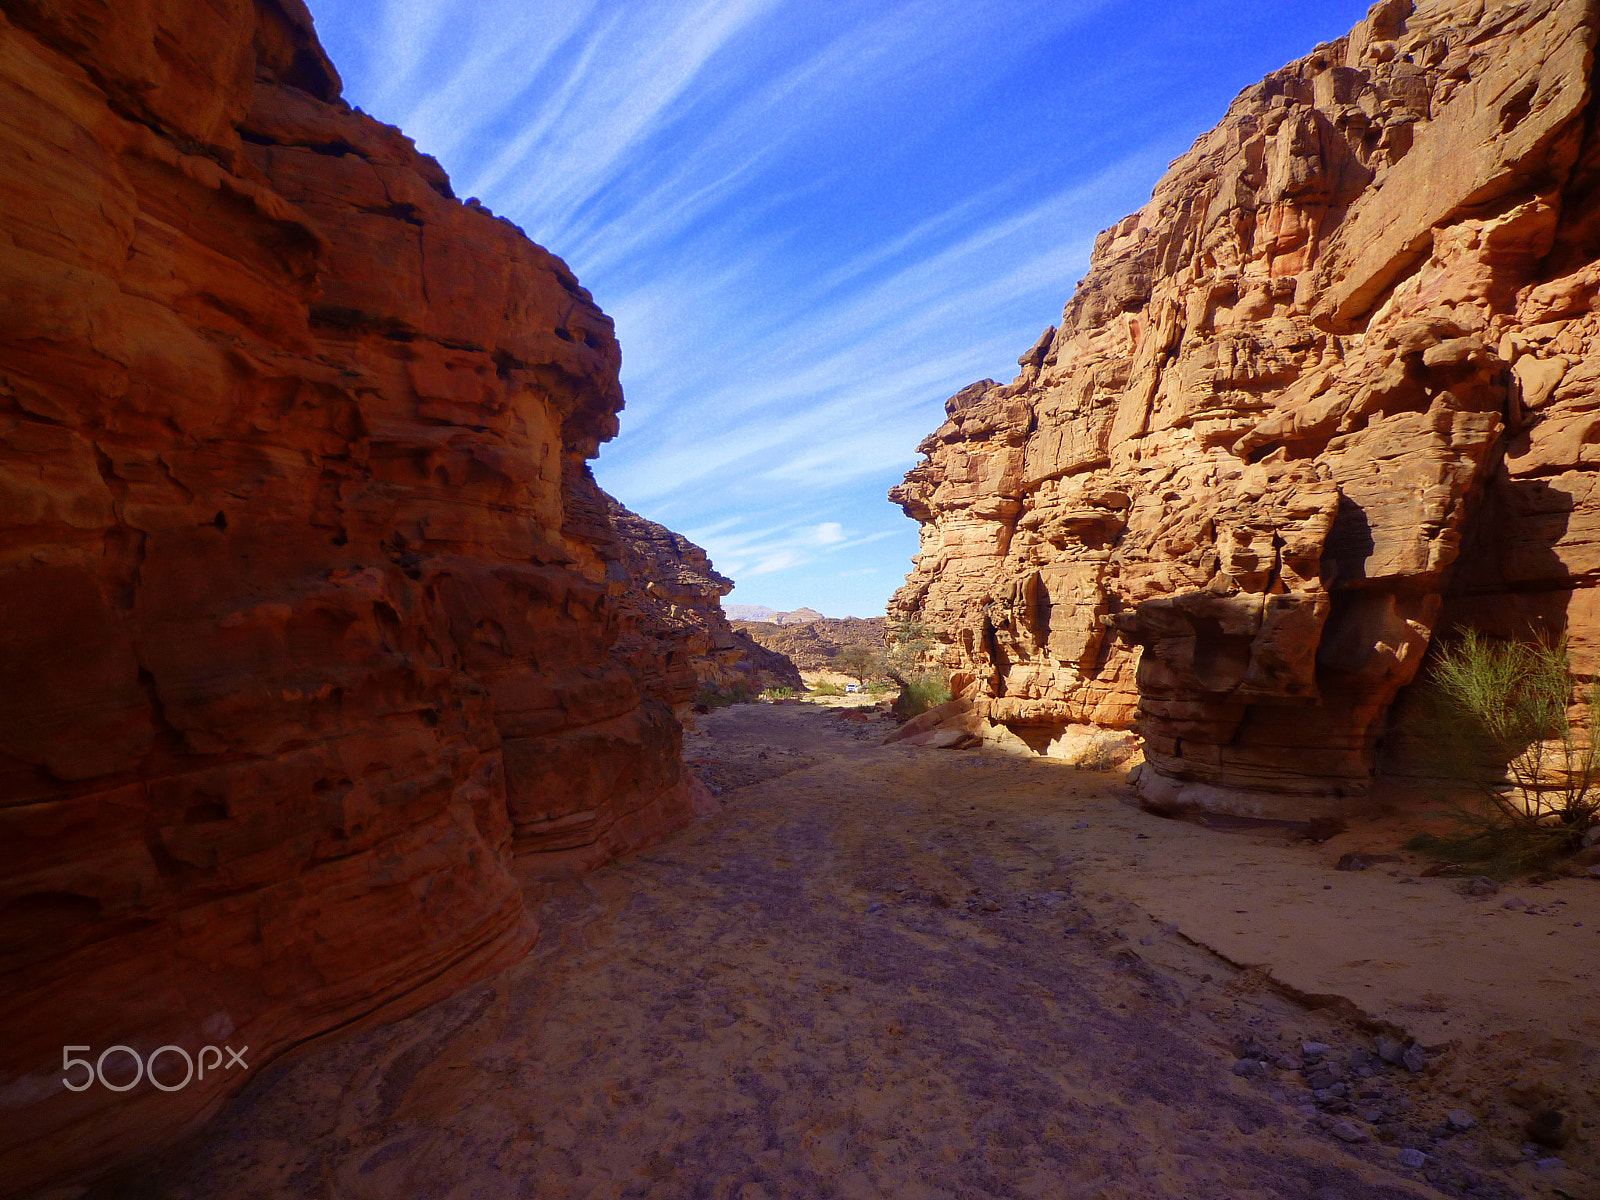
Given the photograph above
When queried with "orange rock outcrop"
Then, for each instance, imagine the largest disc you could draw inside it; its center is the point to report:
(1329, 392)
(307, 645)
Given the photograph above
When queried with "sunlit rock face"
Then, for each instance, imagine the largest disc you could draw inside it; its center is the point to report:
(306, 653)
(1353, 331)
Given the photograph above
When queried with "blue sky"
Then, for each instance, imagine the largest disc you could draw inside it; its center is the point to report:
(811, 221)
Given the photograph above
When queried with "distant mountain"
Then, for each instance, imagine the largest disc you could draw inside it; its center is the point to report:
(749, 612)
(812, 644)
(767, 616)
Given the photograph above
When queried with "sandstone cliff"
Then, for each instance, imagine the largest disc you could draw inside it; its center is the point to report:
(669, 598)
(306, 633)
(1352, 332)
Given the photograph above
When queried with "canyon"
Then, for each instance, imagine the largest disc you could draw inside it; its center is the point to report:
(1329, 394)
(328, 673)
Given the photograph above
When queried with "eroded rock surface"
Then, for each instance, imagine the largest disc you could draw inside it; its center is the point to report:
(1225, 500)
(675, 634)
(306, 634)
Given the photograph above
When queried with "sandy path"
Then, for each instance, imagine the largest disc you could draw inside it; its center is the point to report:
(873, 976)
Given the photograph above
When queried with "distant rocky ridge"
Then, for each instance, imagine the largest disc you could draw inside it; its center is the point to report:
(1330, 392)
(812, 644)
(674, 633)
(757, 612)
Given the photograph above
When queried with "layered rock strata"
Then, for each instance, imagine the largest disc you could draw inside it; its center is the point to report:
(306, 647)
(674, 632)
(1353, 331)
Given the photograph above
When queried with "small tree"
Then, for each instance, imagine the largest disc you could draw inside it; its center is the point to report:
(854, 661)
(1499, 715)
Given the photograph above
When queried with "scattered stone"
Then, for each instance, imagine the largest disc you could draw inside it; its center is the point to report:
(1549, 1164)
(1479, 885)
(1360, 860)
(1411, 1158)
(875, 907)
(1414, 1060)
(1349, 1131)
(1391, 1051)
(1515, 903)
(1461, 1120)
(1249, 1068)
(1314, 1049)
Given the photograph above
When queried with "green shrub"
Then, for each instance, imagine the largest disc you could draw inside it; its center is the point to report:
(713, 697)
(778, 693)
(1497, 716)
(923, 690)
(824, 688)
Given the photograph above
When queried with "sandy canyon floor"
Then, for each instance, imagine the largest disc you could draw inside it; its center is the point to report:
(908, 973)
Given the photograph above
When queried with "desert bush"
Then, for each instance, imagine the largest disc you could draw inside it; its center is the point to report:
(921, 691)
(714, 697)
(1497, 715)
(1104, 752)
(824, 688)
(778, 693)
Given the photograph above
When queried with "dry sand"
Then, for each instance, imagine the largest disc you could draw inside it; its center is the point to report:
(894, 972)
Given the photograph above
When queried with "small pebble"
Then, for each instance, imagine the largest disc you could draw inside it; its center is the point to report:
(1461, 1119)
(1414, 1059)
(1412, 1158)
(872, 908)
(1314, 1049)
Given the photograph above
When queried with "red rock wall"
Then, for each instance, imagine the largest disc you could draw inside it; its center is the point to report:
(1352, 332)
(305, 653)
